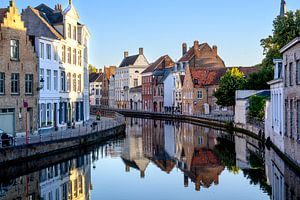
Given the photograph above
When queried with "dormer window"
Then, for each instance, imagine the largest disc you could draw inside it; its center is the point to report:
(69, 31)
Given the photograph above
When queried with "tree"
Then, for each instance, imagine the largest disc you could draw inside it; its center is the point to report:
(285, 29)
(232, 80)
(257, 107)
(92, 68)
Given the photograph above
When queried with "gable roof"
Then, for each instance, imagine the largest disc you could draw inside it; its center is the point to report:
(154, 66)
(95, 77)
(50, 15)
(41, 16)
(130, 60)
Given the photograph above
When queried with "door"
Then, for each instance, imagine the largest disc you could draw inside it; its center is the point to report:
(7, 122)
(29, 120)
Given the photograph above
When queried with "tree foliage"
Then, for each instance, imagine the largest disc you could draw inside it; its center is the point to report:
(92, 68)
(285, 29)
(257, 107)
(232, 80)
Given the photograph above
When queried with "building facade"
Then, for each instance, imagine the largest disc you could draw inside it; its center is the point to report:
(135, 96)
(291, 66)
(111, 93)
(107, 73)
(96, 81)
(61, 43)
(19, 80)
(128, 75)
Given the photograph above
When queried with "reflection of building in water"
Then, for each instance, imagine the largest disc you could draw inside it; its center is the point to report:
(133, 152)
(67, 180)
(284, 181)
(195, 156)
(22, 188)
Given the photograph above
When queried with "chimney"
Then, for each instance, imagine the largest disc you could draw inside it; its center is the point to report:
(142, 174)
(215, 50)
(12, 3)
(141, 51)
(186, 181)
(58, 8)
(184, 49)
(196, 44)
(125, 54)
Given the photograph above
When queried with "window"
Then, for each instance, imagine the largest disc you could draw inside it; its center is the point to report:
(63, 53)
(63, 81)
(42, 50)
(2, 83)
(291, 74)
(49, 120)
(15, 83)
(69, 82)
(136, 82)
(79, 58)
(69, 31)
(199, 95)
(285, 76)
(69, 55)
(48, 79)
(74, 83)
(74, 33)
(55, 53)
(55, 79)
(14, 49)
(79, 83)
(97, 92)
(97, 102)
(48, 51)
(298, 72)
(292, 123)
(28, 84)
(74, 56)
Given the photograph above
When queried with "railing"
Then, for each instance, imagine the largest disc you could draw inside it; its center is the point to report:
(89, 128)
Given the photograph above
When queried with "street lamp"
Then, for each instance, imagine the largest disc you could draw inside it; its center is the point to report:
(42, 81)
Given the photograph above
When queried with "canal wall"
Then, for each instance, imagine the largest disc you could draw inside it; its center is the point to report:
(24, 153)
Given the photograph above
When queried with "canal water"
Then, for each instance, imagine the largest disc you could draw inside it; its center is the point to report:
(160, 160)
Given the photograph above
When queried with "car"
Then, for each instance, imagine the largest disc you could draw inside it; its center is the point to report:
(6, 139)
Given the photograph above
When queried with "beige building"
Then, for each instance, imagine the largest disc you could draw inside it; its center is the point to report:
(18, 75)
(291, 65)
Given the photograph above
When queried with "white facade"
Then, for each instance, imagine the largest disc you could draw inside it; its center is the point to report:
(49, 71)
(127, 77)
(274, 126)
(135, 97)
(173, 88)
(111, 92)
(95, 91)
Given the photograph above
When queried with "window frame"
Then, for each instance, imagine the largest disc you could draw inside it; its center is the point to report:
(15, 83)
(28, 84)
(15, 50)
(2, 83)
(48, 51)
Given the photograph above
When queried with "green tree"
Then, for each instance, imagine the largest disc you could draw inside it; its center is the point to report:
(232, 80)
(257, 107)
(259, 80)
(92, 68)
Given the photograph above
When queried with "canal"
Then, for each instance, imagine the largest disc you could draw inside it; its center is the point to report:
(160, 160)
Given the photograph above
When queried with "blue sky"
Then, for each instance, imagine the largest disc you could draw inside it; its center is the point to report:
(160, 26)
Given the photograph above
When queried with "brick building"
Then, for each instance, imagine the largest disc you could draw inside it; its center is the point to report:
(291, 66)
(18, 75)
(108, 72)
(152, 83)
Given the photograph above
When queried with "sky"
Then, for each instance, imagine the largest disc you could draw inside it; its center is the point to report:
(161, 26)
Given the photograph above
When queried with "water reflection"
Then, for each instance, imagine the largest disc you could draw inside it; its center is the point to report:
(213, 164)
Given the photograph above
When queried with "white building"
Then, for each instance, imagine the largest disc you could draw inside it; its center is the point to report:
(111, 92)
(128, 75)
(173, 89)
(274, 119)
(95, 88)
(135, 96)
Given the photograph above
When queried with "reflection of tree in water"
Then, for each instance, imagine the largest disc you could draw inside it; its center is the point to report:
(257, 173)
(225, 150)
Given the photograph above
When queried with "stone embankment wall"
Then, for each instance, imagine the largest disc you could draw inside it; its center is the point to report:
(33, 151)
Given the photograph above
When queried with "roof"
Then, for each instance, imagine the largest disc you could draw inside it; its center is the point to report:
(50, 15)
(212, 76)
(136, 89)
(246, 94)
(43, 18)
(158, 63)
(3, 12)
(290, 44)
(95, 77)
(161, 74)
(189, 54)
(130, 60)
